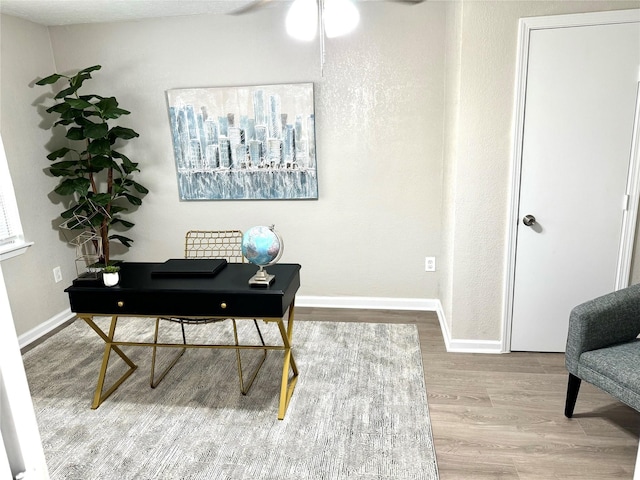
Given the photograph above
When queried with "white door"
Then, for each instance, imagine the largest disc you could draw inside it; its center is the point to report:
(581, 89)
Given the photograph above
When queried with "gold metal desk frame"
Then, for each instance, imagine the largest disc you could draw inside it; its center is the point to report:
(288, 382)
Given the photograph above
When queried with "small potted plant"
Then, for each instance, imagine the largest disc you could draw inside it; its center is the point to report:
(110, 275)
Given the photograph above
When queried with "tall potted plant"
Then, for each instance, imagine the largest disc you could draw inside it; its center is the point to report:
(95, 176)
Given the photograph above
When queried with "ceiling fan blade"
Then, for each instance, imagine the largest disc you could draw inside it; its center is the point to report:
(256, 4)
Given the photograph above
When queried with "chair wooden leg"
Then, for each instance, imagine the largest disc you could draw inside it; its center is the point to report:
(572, 395)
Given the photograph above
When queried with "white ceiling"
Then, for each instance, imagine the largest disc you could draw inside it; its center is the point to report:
(69, 12)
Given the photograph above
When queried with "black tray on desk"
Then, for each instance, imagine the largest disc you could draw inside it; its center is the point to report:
(189, 267)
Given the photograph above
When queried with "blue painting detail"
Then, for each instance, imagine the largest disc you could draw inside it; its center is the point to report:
(236, 143)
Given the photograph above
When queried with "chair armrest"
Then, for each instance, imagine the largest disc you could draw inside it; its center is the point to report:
(607, 320)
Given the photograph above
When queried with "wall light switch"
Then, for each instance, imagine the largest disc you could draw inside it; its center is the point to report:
(57, 274)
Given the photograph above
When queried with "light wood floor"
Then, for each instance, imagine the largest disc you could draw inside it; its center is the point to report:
(501, 416)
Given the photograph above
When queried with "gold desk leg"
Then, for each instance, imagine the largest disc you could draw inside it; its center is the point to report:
(152, 380)
(288, 384)
(99, 396)
(245, 389)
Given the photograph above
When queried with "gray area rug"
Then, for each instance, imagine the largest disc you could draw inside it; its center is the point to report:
(359, 410)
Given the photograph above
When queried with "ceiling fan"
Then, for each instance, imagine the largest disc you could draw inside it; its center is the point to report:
(305, 18)
(256, 4)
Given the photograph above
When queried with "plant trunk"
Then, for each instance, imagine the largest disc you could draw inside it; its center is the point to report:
(104, 234)
(107, 220)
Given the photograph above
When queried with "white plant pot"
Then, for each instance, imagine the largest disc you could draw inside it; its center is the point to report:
(110, 279)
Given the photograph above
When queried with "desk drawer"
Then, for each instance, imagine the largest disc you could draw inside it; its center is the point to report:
(115, 302)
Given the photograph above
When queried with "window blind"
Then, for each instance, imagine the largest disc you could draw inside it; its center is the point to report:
(6, 229)
(11, 237)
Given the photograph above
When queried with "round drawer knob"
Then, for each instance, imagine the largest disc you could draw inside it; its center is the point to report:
(121, 303)
(223, 305)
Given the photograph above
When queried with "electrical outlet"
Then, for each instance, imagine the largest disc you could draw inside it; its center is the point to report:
(429, 264)
(57, 274)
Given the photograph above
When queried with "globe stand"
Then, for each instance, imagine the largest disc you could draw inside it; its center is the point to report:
(261, 278)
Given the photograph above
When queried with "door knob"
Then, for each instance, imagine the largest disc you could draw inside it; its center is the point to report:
(529, 220)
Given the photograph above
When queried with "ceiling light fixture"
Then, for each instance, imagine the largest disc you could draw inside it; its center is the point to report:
(302, 20)
(340, 17)
(333, 18)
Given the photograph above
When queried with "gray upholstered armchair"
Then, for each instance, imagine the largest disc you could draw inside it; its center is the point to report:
(603, 348)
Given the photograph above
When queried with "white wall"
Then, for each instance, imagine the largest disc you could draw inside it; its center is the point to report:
(453, 72)
(25, 54)
(379, 114)
(480, 177)
(20, 443)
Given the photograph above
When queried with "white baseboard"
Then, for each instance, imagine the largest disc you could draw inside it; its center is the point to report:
(373, 303)
(474, 346)
(420, 304)
(459, 345)
(35, 333)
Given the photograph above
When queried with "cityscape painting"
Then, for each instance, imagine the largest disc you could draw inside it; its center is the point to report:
(243, 143)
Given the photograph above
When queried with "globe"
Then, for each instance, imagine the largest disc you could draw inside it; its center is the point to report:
(262, 246)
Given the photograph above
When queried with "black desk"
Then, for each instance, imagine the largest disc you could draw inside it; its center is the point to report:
(226, 295)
